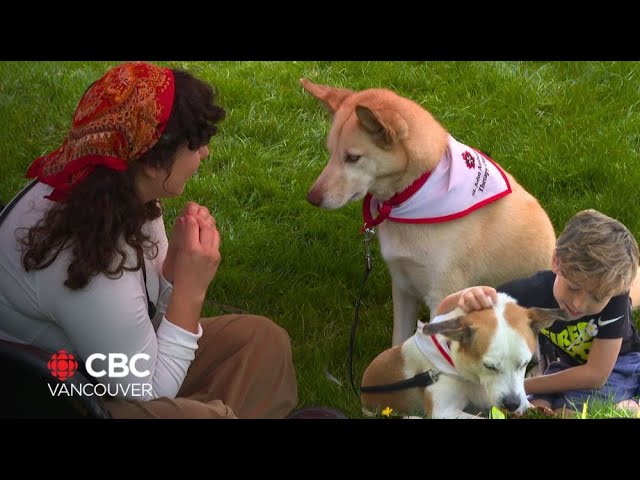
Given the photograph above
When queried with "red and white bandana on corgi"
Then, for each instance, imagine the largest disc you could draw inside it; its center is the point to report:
(463, 181)
(436, 351)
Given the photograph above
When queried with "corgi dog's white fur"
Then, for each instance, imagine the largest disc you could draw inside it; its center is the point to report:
(380, 143)
(489, 350)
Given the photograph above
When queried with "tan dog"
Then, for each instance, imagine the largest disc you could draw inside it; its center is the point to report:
(480, 227)
(479, 360)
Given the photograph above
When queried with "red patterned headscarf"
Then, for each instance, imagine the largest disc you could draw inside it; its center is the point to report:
(118, 119)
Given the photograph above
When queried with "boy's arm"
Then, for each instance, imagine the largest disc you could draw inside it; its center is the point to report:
(593, 374)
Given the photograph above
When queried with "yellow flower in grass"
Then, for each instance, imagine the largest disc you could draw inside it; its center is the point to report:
(387, 412)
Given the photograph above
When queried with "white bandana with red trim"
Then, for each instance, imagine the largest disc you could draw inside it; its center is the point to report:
(463, 181)
(436, 349)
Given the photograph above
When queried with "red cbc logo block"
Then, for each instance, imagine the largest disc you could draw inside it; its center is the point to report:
(62, 365)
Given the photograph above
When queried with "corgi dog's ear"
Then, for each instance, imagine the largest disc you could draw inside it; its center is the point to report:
(454, 327)
(544, 317)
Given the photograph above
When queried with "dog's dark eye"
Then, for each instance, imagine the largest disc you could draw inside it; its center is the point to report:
(350, 158)
(491, 367)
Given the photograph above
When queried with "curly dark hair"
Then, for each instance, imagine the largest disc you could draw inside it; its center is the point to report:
(104, 209)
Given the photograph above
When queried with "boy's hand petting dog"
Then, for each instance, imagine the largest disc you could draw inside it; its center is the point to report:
(477, 298)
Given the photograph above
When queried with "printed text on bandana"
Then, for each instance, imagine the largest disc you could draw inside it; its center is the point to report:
(483, 173)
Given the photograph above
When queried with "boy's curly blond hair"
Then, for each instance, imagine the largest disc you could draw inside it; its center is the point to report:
(598, 253)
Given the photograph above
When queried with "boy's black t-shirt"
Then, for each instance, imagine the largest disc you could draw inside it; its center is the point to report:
(573, 339)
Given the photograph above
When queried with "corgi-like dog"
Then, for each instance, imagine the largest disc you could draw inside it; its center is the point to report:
(474, 361)
(448, 217)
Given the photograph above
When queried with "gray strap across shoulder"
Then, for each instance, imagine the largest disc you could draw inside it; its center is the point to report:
(5, 211)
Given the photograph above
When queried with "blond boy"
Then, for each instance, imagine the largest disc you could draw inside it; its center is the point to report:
(596, 355)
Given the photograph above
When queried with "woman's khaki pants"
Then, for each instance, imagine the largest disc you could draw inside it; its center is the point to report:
(242, 369)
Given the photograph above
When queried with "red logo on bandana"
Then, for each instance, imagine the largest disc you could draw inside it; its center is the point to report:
(469, 160)
(62, 365)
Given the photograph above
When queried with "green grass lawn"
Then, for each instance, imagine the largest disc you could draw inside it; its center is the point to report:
(569, 132)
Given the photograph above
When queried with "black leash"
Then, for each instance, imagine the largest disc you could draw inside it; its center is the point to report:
(423, 379)
(369, 233)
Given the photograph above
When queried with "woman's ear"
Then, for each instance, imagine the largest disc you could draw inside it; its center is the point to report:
(150, 171)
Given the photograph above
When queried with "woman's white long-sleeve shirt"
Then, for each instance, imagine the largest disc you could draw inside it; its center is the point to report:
(108, 316)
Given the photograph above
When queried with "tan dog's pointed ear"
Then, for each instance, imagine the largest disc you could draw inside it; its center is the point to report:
(544, 317)
(371, 122)
(330, 97)
(384, 132)
(455, 329)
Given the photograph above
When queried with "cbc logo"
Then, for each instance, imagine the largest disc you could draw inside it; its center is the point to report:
(118, 365)
(62, 365)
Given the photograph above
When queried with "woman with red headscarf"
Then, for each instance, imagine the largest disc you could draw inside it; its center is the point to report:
(91, 270)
